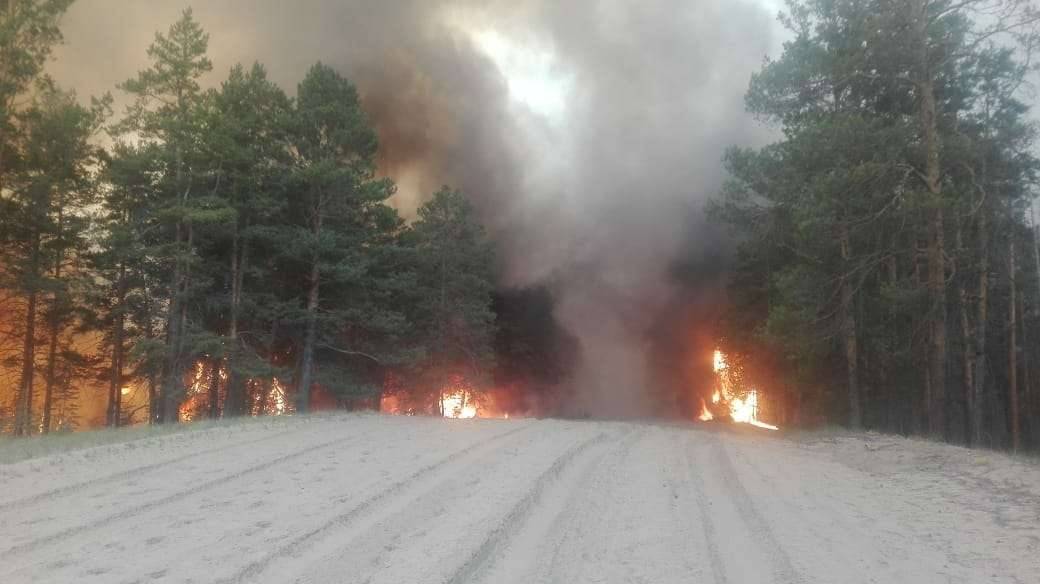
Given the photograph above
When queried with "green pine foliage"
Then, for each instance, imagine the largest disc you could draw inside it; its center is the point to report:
(229, 252)
(877, 236)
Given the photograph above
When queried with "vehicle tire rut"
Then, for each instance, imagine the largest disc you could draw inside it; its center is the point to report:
(252, 571)
(718, 568)
(783, 569)
(138, 509)
(568, 521)
(138, 470)
(482, 557)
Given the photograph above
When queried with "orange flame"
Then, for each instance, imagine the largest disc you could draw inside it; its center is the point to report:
(195, 393)
(705, 415)
(458, 405)
(457, 398)
(741, 410)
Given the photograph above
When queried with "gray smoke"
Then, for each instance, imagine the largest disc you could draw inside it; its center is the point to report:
(598, 199)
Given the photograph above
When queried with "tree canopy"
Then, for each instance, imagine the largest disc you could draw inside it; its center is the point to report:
(882, 237)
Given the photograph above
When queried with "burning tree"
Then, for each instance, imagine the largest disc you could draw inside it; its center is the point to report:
(241, 253)
(47, 186)
(732, 395)
(453, 305)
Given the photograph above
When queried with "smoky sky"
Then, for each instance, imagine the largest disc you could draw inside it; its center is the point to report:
(599, 200)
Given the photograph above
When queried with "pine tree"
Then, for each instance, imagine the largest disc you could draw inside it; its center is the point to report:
(122, 307)
(902, 132)
(28, 33)
(248, 151)
(60, 144)
(166, 119)
(455, 280)
(48, 195)
(335, 209)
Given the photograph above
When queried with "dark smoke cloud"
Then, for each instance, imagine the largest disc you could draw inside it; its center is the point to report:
(600, 202)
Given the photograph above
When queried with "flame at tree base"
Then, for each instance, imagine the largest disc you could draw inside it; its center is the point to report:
(457, 399)
(763, 425)
(742, 410)
(458, 405)
(705, 415)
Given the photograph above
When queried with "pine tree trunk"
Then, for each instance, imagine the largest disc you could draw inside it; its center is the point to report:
(155, 407)
(115, 380)
(48, 390)
(981, 327)
(231, 402)
(848, 325)
(1034, 397)
(927, 118)
(154, 403)
(919, 403)
(1016, 437)
(937, 356)
(303, 389)
(115, 389)
(173, 399)
(968, 337)
(214, 390)
(1025, 382)
(1036, 252)
(23, 418)
(171, 378)
(25, 395)
(52, 350)
(893, 411)
(442, 334)
(172, 382)
(234, 402)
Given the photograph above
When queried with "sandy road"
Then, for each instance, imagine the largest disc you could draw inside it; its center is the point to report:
(397, 500)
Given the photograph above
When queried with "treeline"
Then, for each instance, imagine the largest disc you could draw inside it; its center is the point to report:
(215, 252)
(888, 271)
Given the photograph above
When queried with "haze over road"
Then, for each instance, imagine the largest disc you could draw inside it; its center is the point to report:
(380, 499)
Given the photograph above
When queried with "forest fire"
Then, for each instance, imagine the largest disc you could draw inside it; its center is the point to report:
(742, 410)
(458, 405)
(197, 391)
(266, 396)
(705, 415)
(464, 403)
(457, 400)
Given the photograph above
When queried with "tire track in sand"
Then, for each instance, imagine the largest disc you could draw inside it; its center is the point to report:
(544, 527)
(140, 508)
(369, 506)
(782, 568)
(482, 558)
(137, 470)
(718, 569)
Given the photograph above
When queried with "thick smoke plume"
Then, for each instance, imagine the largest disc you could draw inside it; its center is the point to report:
(597, 194)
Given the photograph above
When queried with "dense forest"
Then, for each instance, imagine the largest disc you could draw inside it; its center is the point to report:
(888, 272)
(220, 252)
(225, 249)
